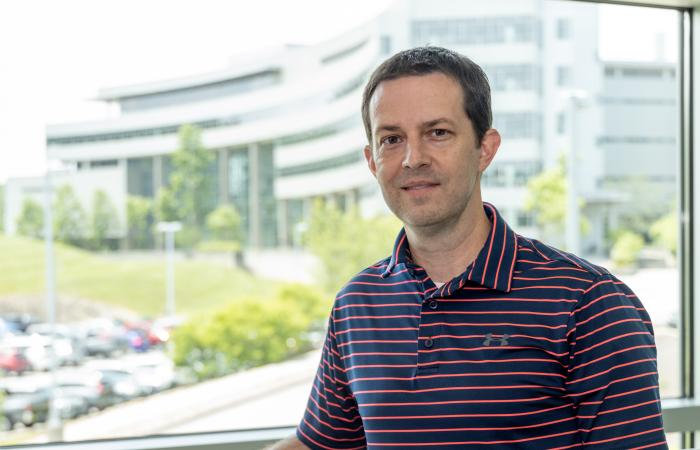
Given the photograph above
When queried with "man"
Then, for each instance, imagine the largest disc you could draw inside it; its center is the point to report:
(470, 336)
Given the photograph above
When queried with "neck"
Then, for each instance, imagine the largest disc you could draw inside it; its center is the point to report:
(444, 251)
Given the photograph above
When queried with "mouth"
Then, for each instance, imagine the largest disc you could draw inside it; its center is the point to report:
(419, 186)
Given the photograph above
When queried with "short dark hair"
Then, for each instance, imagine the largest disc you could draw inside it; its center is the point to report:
(426, 60)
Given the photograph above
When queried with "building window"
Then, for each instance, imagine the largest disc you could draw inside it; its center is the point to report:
(563, 28)
(525, 219)
(385, 45)
(564, 76)
(561, 123)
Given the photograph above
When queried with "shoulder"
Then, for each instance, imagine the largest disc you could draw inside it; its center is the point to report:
(534, 256)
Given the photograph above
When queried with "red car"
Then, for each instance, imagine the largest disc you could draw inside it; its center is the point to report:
(12, 361)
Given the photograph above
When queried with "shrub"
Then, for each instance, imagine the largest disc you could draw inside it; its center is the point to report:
(250, 332)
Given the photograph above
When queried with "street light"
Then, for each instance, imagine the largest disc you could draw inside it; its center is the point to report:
(169, 228)
(54, 421)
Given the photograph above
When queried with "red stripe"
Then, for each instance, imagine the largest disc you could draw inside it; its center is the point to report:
(614, 338)
(323, 446)
(597, 374)
(512, 441)
(492, 237)
(441, 430)
(531, 313)
(500, 347)
(600, 388)
(455, 388)
(373, 305)
(557, 277)
(628, 349)
(493, 324)
(398, 316)
(459, 402)
(500, 260)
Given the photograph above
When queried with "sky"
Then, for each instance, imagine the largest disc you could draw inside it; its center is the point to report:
(56, 55)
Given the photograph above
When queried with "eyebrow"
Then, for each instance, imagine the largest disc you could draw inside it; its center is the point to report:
(428, 124)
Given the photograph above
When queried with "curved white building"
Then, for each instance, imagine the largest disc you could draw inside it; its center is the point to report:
(285, 127)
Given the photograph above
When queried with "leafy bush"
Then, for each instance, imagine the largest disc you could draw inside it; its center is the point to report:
(30, 222)
(250, 332)
(346, 242)
(626, 248)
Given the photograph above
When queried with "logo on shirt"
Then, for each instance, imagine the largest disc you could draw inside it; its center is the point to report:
(489, 338)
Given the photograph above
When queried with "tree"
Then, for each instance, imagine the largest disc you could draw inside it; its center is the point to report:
(139, 211)
(30, 222)
(626, 249)
(664, 232)
(224, 223)
(188, 196)
(105, 221)
(70, 223)
(346, 242)
(2, 208)
(546, 197)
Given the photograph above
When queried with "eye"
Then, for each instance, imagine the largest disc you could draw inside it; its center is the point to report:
(390, 140)
(439, 132)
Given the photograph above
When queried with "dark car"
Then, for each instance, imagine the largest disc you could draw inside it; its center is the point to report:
(26, 408)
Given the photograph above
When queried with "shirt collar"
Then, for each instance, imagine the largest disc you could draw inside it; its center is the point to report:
(492, 268)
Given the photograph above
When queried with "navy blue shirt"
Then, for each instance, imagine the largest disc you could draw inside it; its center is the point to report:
(529, 347)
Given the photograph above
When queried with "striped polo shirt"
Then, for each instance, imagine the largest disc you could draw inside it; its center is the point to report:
(529, 347)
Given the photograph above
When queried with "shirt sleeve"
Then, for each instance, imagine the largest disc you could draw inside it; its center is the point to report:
(331, 419)
(612, 375)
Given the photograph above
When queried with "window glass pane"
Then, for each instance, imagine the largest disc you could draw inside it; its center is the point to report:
(252, 158)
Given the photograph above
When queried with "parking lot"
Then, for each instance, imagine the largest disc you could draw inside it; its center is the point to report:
(98, 364)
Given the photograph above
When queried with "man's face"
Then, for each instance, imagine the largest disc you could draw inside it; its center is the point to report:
(424, 151)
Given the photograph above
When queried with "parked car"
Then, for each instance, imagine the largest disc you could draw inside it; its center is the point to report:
(155, 374)
(12, 360)
(122, 382)
(104, 338)
(34, 348)
(70, 404)
(25, 407)
(90, 385)
(68, 343)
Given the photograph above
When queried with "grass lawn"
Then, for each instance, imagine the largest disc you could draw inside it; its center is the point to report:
(136, 285)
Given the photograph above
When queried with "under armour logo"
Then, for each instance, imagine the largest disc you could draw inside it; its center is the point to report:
(503, 340)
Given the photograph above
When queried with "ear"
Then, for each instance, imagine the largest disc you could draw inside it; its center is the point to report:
(369, 157)
(489, 146)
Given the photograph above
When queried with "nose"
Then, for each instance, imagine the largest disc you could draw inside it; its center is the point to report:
(415, 156)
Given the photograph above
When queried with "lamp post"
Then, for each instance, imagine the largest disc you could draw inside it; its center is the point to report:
(169, 229)
(54, 421)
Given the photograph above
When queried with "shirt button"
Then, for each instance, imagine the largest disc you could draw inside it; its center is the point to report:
(428, 343)
(432, 304)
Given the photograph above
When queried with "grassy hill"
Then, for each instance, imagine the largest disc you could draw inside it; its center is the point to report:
(136, 285)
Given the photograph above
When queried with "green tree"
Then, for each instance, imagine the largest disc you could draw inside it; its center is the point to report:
(346, 243)
(70, 222)
(2, 208)
(626, 249)
(664, 232)
(105, 221)
(188, 197)
(547, 196)
(225, 224)
(139, 212)
(30, 222)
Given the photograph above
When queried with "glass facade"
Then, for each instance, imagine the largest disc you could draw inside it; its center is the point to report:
(238, 185)
(267, 203)
(475, 31)
(140, 177)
